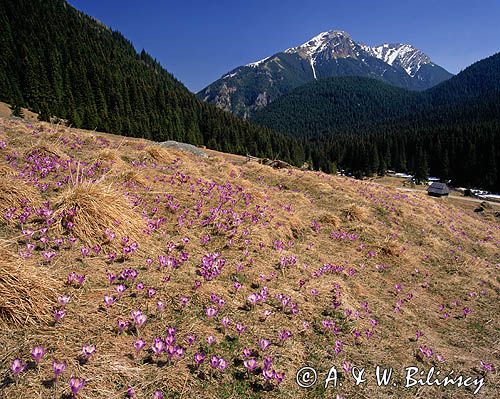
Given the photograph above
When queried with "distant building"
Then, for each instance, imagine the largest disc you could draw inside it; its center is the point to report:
(437, 189)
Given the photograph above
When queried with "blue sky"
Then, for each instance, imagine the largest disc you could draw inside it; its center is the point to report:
(199, 40)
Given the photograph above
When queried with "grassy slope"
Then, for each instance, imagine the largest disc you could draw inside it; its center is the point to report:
(6, 112)
(436, 252)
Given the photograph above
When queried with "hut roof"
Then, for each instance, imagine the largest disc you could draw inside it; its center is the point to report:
(438, 188)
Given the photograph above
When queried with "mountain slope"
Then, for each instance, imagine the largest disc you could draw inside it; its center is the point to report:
(335, 105)
(367, 126)
(240, 261)
(249, 88)
(479, 80)
(339, 104)
(56, 60)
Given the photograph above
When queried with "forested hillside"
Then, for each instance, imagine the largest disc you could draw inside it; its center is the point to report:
(337, 105)
(59, 62)
(366, 126)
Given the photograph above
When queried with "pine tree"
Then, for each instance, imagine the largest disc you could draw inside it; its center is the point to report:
(16, 110)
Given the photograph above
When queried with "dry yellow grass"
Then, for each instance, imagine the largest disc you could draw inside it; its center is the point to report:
(6, 171)
(98, 207)
(46, 150)
(16, 194)
(428, 248)
(27, 293)
(158, 154)
(112, 156)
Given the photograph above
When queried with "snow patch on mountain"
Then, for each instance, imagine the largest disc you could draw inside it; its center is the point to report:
(403, 55)
(338, 43)
(257, 63)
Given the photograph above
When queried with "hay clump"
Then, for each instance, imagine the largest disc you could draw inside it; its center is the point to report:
(6, 171)
(15, 193)
(27, 293)
(44, 150)
(112, 157)
(159, 154)
(330, 218)
(92, 208)
(354, 212)
(133, 177)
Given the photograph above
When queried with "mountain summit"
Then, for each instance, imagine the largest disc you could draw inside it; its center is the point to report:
(332, 53)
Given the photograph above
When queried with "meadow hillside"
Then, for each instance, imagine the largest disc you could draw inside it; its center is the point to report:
(139, 269)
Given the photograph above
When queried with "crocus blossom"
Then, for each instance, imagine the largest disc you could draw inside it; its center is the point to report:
(76, 385)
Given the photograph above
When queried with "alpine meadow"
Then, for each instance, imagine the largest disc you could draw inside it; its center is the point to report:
(320, 223)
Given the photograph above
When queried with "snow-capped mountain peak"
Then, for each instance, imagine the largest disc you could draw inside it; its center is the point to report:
(403, 55)
(251, 87)
(319, 42)
(339, 44)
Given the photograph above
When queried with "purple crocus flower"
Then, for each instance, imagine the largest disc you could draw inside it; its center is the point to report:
(111, 277)
(338, 346)
(225, 321)
(487, 367)
(268, 374)
(171, 331)
(48, 255)
(253, 298)
(158, 346)
(279, 377)
(17, 367)
(169, 340)
(222, 364)
(85, 252)
(184, 300)
(120, 288)
(284, 335)
(63, 300)
(210, 339)
(264, 343)
(130, 392)
(88, 350)
(158, 395)
(250, 364)
(268, 362)
(426, 351)
(214, 362)
(139, 318)
(59, 315)
(122, 325)
(240, 328)
(37, 353)
(199, 358)
(58, 368)
(139, 286)
(76, 385)
(139, 344)
(108, 300)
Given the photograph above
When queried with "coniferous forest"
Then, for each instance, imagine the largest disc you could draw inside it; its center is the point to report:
(59, 62)
(366, 126)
